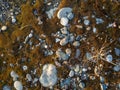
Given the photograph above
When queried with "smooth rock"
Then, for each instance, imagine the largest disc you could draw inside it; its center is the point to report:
(86, 22)
(77, 53)
(109, 58)
(76, 43)
(14, 75)
(48, 77)
(117, 52)
(18, 85)
(71, 73)
(68, 51)
(64, 41)
(6, 87)
(64, 21)
(116, 68)
(82, 85)
(64, 30)
(61, 55)
(28, 76)
(4, 28)
(63, 12)
(70, 16)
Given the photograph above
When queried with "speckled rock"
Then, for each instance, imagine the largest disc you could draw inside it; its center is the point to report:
(48, 77)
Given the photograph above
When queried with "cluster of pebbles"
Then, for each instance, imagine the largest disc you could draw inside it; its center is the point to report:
(77, 74)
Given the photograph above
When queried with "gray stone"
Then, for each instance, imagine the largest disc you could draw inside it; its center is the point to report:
(48, 77)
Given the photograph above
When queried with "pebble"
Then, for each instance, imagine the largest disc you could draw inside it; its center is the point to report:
(77, 68)
(103, 86)
(68, 51)
(4, 28)
(63, 12)
(109, 58)
(48, 77)
(77, 53)
(64, 41)
(28, 76)
(116, 68)
(86, 22)
(64, 21)
(70, 16)
(76, 43)
(13, 20)
(18, 85)
(6, 87)
(71, 73)
(14, 75)
(82, 85)
(64, 30)
(24, 67)
(102, 79)
(117, 52)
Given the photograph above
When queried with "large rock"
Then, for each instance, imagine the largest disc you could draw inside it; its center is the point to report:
(48, 77)
(18, 85)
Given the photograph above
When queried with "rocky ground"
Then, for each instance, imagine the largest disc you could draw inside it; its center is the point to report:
(59, 45)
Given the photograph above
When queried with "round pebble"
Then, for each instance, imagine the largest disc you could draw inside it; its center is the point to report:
(76, 43)
(4, 28)
(64, 21)
(109, 58)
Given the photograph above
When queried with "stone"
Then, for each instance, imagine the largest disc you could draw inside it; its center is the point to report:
(77, 53)
(76, 43)
(13, 20)
(77, 68)
(70, 16)
(18, 85)
(61, 55)
(116, 68)
(68, 51)
(109, 58)
(64, 30)
(24, 67)
(86, 22)
(71, 73)
(4, 28)
(64, 21)
(117, 52)
(28, 76)
(82, 85)
(14, 75)
(103, 86)
(6, 87)
(64, 41)
(102, 79)
(48, 77)
(63, 12)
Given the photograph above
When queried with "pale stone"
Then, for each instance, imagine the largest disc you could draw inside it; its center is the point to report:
(64, 21)
(18, 85)
(48, 77)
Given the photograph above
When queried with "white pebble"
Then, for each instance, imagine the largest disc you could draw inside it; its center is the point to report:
(64, 21)
(18, 85)
(109, 58)
(71, 73)
(76, 43)
(4, 28)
